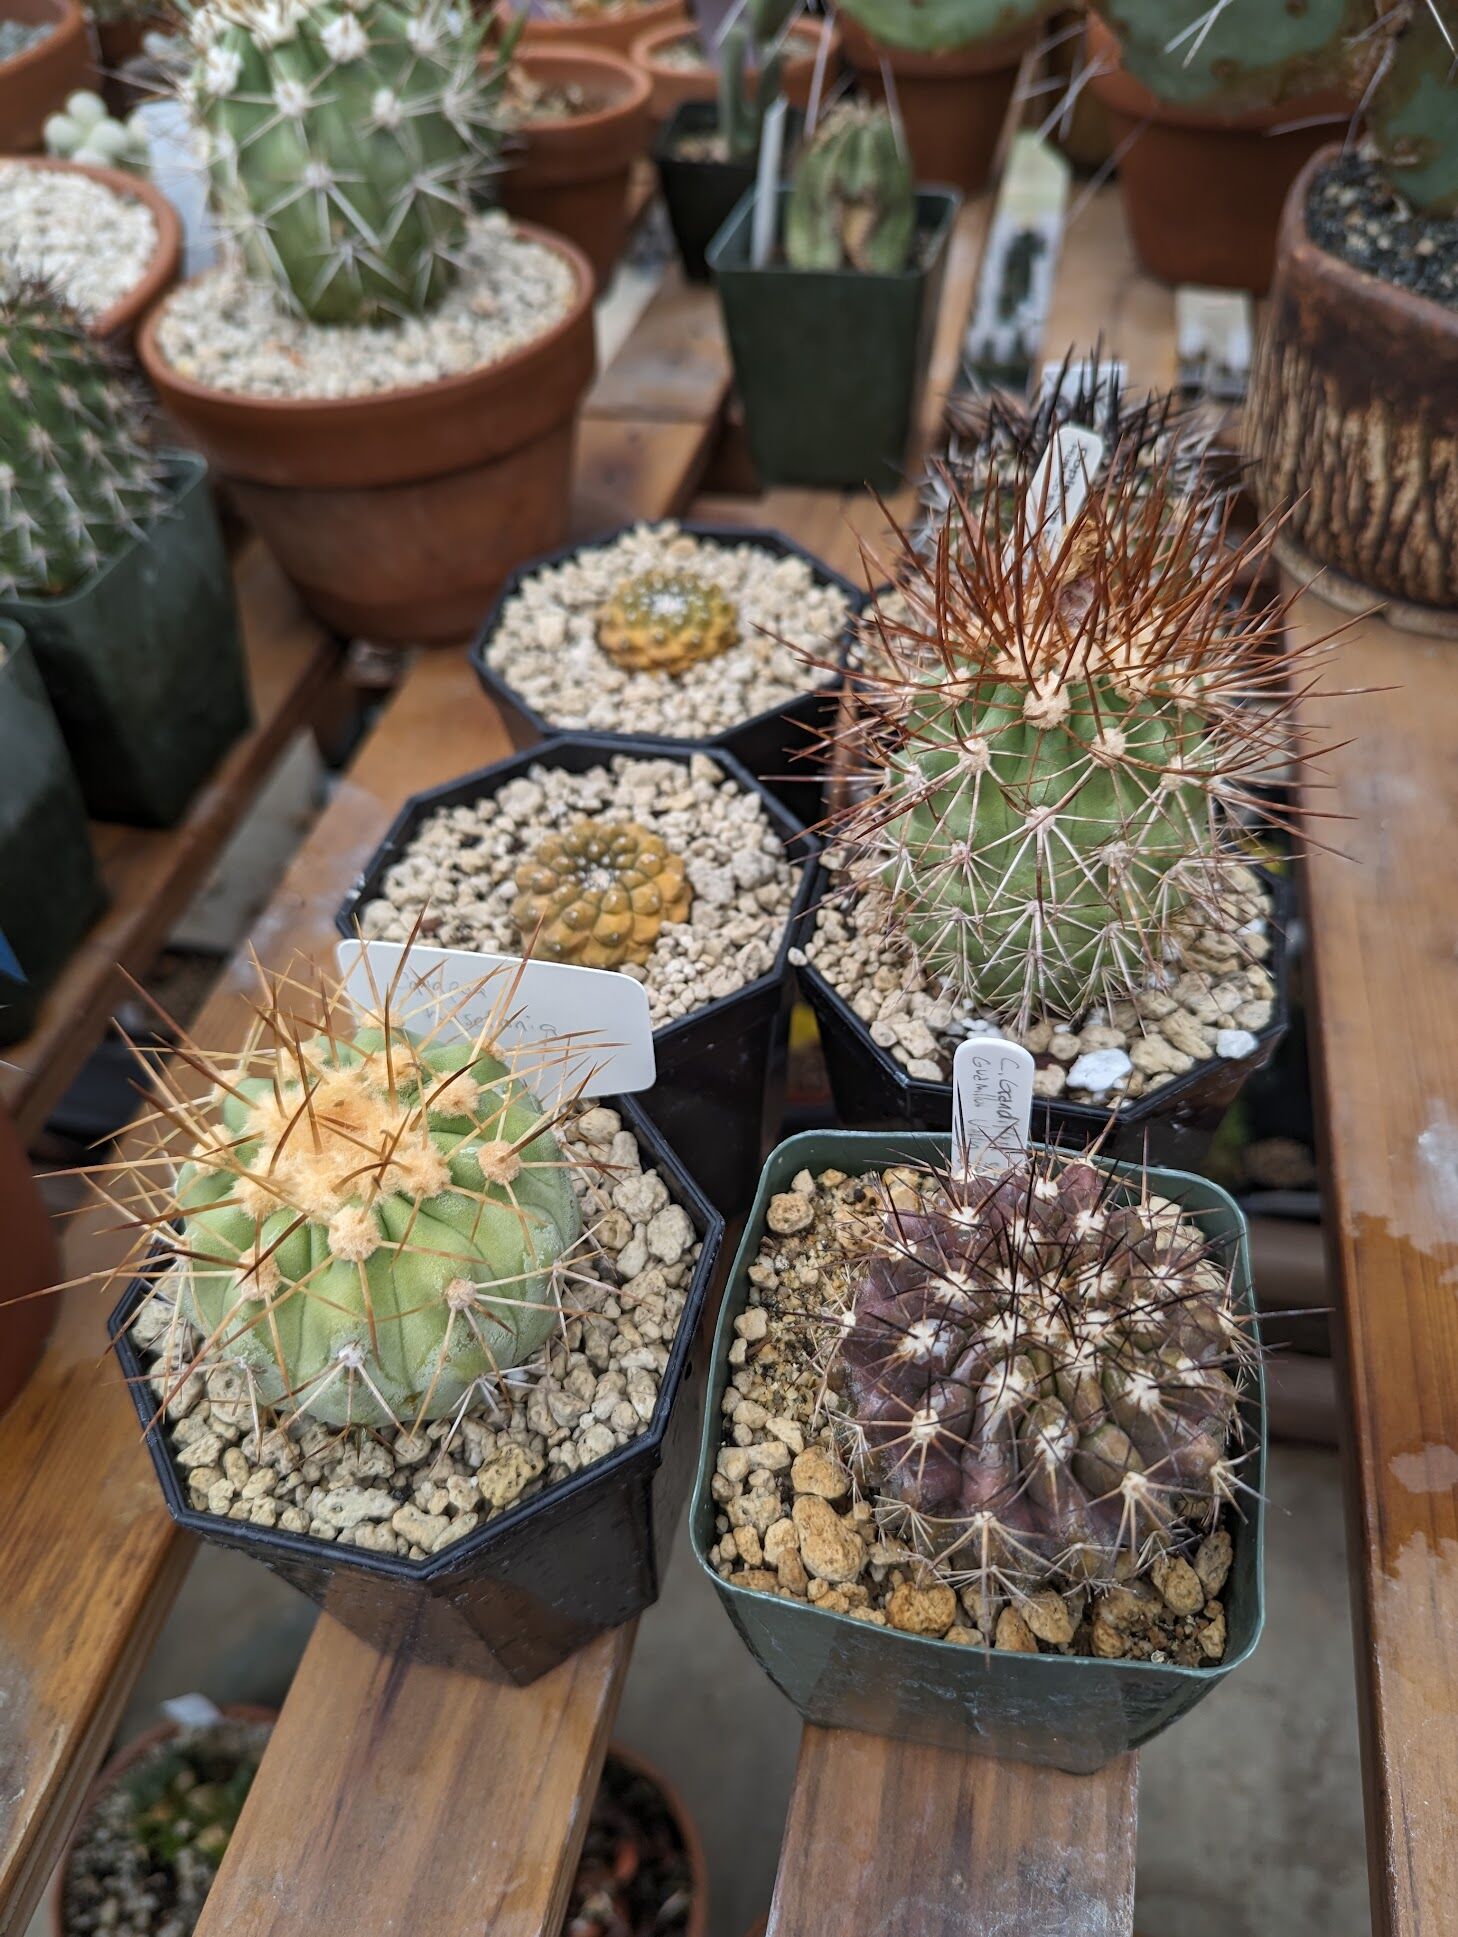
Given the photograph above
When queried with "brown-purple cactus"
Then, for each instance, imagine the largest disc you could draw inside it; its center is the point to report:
(1037, 1369)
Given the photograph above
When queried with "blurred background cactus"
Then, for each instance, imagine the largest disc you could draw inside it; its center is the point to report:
(750, 61)
(1412, 102)
(666, 622)
(1233, 55)
(345, 143)
(852, 200)
(76, 477)
(932, 25)
(84, 131)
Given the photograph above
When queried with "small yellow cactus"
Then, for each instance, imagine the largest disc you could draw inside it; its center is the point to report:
(598, 895)
(665, 622)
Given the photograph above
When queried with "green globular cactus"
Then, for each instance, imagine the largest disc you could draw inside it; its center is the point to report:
(76, 477)
(345, 140)
(852, 201)
(927, 26)
(1412, 105)
(1038, 1370)
(751, 67)
(1234, 55)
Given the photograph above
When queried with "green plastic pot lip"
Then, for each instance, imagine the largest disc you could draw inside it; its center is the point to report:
(912, 1143)
(183, 471)
(936, 211)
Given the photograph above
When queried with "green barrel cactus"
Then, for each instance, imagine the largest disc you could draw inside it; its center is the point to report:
(76, 477)
(1234, 55)
(927, 26)
(852, 200)
(1412, 106)
(345, 141)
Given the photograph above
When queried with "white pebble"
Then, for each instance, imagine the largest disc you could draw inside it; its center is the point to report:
(1234, 1043)
(1100, 1069)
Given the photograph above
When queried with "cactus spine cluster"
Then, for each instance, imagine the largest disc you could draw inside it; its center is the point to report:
(1038, 1370)
(1233, 55)
(345, 140)
(1412, 102)
(76, 477)
(927, 26)
(853, 200)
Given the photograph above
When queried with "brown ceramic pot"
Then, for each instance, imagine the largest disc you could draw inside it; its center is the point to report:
(697, 1924)
(398, 515)
(953, 104)
(121, 41)
(118, 324)
(673, 85)
(616, 31)
(1203, 192)
(571, 176)
(29, 1263)
(1352, 422)
(35, 84)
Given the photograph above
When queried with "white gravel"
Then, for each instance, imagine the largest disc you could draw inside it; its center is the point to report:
(92, 244)
(545, 643)
(231, 333)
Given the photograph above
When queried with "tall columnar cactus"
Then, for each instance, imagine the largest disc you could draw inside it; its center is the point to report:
(1038, 1370)
(345, 140)
(372, 1224)
(852, 201)
(927, 26)
(750, 63)
(1412, 102)
(76, 477)
(1234, 55)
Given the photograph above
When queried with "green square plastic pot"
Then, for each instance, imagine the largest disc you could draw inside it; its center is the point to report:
(830, 364)
(1071, 1712)
(144, 661)
(50, 892)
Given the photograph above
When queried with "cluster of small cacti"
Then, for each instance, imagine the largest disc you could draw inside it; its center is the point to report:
(1037, 1374)
(927, 26)
(599, 894)
(373, 1224)
(83, 131)
(76, 477)
(853, 198)
(666, 622)
(182, 1810)
(346, 139)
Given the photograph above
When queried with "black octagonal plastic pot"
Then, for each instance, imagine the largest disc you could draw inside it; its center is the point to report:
(1174, 1126)
(777, 745)
(720, 1088)
(518, 1596)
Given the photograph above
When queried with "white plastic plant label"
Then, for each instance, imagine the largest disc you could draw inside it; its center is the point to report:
(1063, 480)
(192, 1711)
(992, 1104)
(567, 1031)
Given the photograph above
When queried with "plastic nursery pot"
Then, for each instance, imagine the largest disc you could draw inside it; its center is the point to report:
(118, 324)
(144, 660)
(50, 891)
(32, 1265)
(953, 103)
(718, 1096)
(615, 28)
(773, 745)
(1353, 396)
(515, 1598)
(35, 82)
(697, 1921)
(1071, 1712)
(673, 83)
(1203, 191)
(397, 515)
(700, 194)
(571, 175)
(1172, 1126)
(830, 364)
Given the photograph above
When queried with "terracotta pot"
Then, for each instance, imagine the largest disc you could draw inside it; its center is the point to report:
(571, 176)
(35, 84)
(615, 31)
(114, 1769)
(674, 85)
(1203, 192)
(31, 1262)
(953, 103)
(118, 324)
(688, 1830)
(397, 515)
(1353, 423)
(121, 41)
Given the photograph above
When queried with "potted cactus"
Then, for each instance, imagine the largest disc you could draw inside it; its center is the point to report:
(111, 561)
(1016, 1507)
(683, 64)
(1353, 414)
(1214, 110)
(45, 54)
(387, 378)
(953, 66)
(831, 338)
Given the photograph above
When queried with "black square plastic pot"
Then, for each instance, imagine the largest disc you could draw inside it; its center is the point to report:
(144, 661)
(1072, 1712)
(515, 1598)
(830, 363)
(1174, 1125)
(777, 746)
(700, 195)
(50, 891)
(719, 1093)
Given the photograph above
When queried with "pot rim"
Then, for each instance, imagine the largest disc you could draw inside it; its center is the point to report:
(936, 202)
(631, 98)
(978, 56)
(645, 48)
(70, 22)
(561, 31)
(1119, 91)
(684, 1822)
(161, 268)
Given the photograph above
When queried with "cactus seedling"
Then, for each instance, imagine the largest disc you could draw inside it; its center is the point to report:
(76, 478)
(852, 202)
(599, 895)
(927, 26)
(666, 622)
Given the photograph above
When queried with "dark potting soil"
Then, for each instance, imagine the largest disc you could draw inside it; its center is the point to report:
(1355, 215)
(633, 1878)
